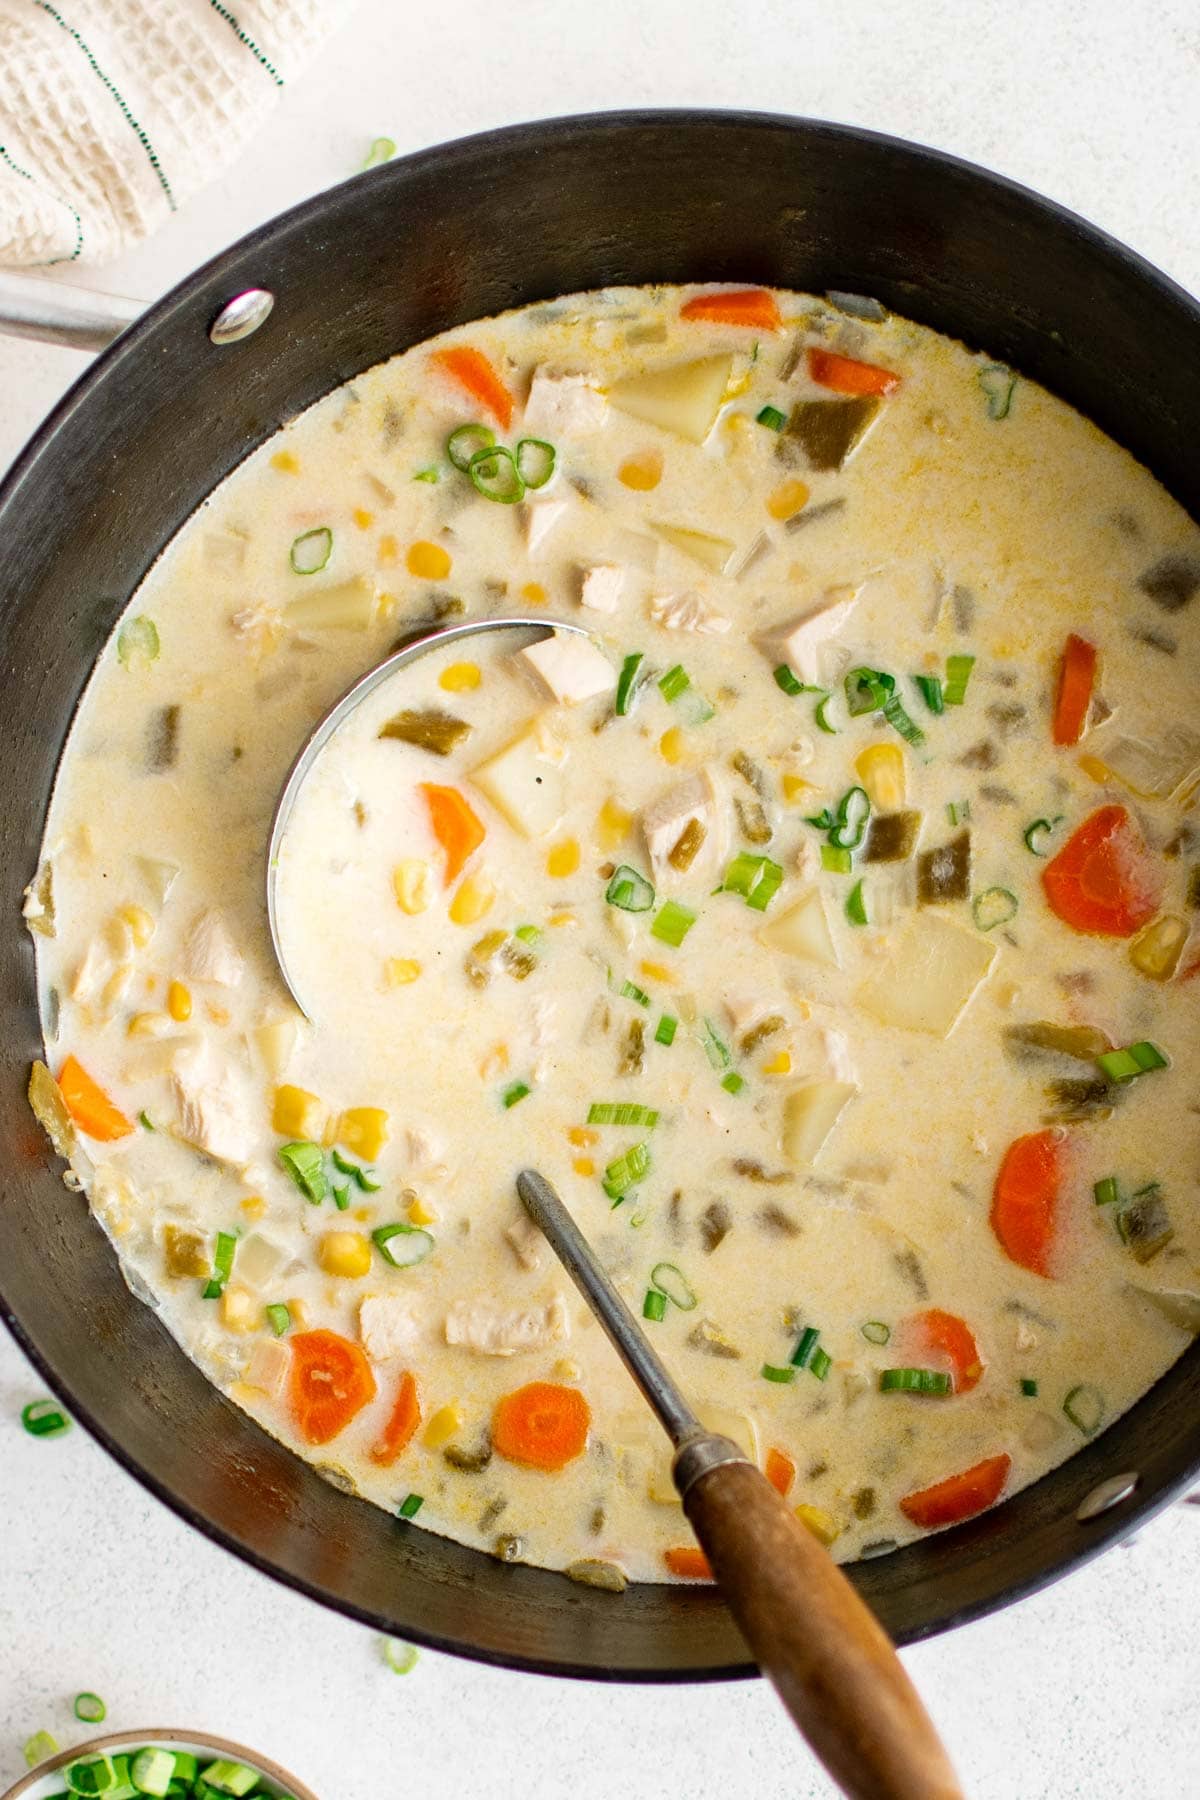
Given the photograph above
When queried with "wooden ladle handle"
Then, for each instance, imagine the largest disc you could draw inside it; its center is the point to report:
(834, 1666)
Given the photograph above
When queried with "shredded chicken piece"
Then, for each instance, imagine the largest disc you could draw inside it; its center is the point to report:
(526, 1242)
(209, 952)
(389, 1325)
(493, 1330)
(212, 1107)
(601, 589)
(688, 612)
(562, 406)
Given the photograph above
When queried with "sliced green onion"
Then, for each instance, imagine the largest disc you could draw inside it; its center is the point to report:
(495, 475)
(1084, 1406)
(311, 551)
(715, 1047)
(410, 1506)
(535, 460)
(402, 1245)
(621, 1112)
(805, 1345)
(854, 809)
(876, 1332)
(430, 475)
(999, 385)
(914, 1381)
(627, 683)
(958, 673)
(343, 1164)
(401, 1658)
(382, 150)
(467, 442)
(630, 891)
(676, 688)
(994, 906)
(654, 1306)
(756, 878)
(222, 1267)
(368, 1180)
(733, 1083)
(1040, 828)
(867, 691)
(856, 906)
(279, 1317)
(626, 1171)
(42, 1418)
(676, 681)
(529, 934)
(835, 860)
(1133, 1060)
(229, 1777)
(152, 1771)
(771, 417)
(93, 1775)
(38, 1748)
(341, 1195)
(930, 687)
(1029, 1387)
(821, 1364)
(629, 990)
(674, 1284)
(517, 1090)
(1107, 1191)
(822, 722)
(667, 1027)
(896, 716)
(145, 1121)
(137, 642)
(90, 1708)
(672, 924)
(772, 1372)
(958, 811)
(788, 682)
(186, 1769)
(305, 1163)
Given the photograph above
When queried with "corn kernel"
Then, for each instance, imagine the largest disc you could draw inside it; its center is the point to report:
(583, 1165)
(562, 918)
(428, 561)
(474, 898)
(1091, 765)
(642, 472)
(345, 1253)
(140, 923)
(822, 1524)
(460, 678)
(179, 1002)
(672, 746)
(612, 824)
(218, 1014)
(148, 1024)
(388, 550)
(420, 1212)
(534, 592)
(582, 1135)
(239, 1309)
(1156, 950)
(400, 971)
(656, 972)
(445, 1424)
(795, 788)
(567, 1369)
(563, 859)
(298, 1114)
(114, 987)
(412, 884)
(285, 462)
(362, 1214)
(780, 1064)
(363, 1131)
(254, 1206)
(363, 519)
(882, 770)
(494, 1063)
(299, 1311)
(789, 498)
(387, 605)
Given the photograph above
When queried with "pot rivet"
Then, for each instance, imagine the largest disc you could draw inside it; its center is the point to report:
(1105, 1495)
(241, 316)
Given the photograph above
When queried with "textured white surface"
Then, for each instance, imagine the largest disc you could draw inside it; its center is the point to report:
(1088, 1690)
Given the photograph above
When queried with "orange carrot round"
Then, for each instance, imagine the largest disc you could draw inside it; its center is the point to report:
(846, 376)
(1076, 675)
(543, 1425)
(402, 1427)
(1102, 881)
(689, 1561)
(472, 370)
(329, 1384)
(959, 1496)
(737, 306)
(780, 1470)
(1025, 1200)
(455, 826)
(89, 1105)
(942, 1340)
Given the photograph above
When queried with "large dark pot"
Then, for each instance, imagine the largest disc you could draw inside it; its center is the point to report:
(361, 273)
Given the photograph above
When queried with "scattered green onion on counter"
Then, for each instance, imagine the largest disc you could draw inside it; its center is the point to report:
(90, 1708)
(38, 1748)
(401, 1658)
(382, 150)
(42, 1418)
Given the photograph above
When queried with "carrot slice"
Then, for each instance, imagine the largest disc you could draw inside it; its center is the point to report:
(89, 1105)
(780, 1471)
(330, 1382)
(400, 1429)
(845, 376)
(472, 370)
(741, 306)
(690, 1562)
(959, 1496)
(1102, 880)
(1076, 676)
(455, 826)
(543, 1425)
(936, 1338)
(1025, 1199)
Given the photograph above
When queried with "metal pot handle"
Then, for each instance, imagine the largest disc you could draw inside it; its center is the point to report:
(76, 318)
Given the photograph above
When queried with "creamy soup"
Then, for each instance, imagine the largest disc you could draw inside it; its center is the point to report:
(818, 918)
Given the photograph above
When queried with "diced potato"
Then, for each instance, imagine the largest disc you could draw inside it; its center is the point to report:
(803, 931)
(930, 974)
(881, 769)
(345, 1253)
(268, 1368)
(342, 606)
(240, 1309)
(276, 1043)
(525, 781)
(809, 1115)
(363, 1131)
(709, 551)
(298, 1114)
(684, 398)
(1156, 950)
(259, 1260)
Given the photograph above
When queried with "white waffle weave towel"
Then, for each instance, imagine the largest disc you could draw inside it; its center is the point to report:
(112, 112)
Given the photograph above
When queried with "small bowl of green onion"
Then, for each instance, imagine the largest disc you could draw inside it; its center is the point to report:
(151, 1765)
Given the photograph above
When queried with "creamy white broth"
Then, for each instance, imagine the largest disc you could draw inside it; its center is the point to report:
(947, 531)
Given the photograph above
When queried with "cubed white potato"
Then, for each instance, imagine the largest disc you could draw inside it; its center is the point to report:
(569, 668)
(493, 1330)
(339, 606)
(268, 1366)
(276, 1043)
(684, 398)
(928, 976)
(259, 1260)
(525, 1241)
(803, 930)
(212, 1109)
(209, 952)
(709, 551)
(526, 781)
(799, 639)
(541, 517)
(663, 821)
(601, 587)
(809, 1115)
(688, 612)
(389, 1325)
(562, 406)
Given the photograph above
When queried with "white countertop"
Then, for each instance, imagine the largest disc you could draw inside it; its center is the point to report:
(1087, 1690)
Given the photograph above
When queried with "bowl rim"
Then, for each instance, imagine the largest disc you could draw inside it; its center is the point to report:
(166, 1734)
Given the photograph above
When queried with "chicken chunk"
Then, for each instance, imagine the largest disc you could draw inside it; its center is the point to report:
(562, 406)
(693, 800)
(569, 668)
(506, 1331)
(688, 612)
(389, 1325)
(209, 952)
(601, 588)
(541, 517)
(525, 1241)
(798, 640)
(212, 1106)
